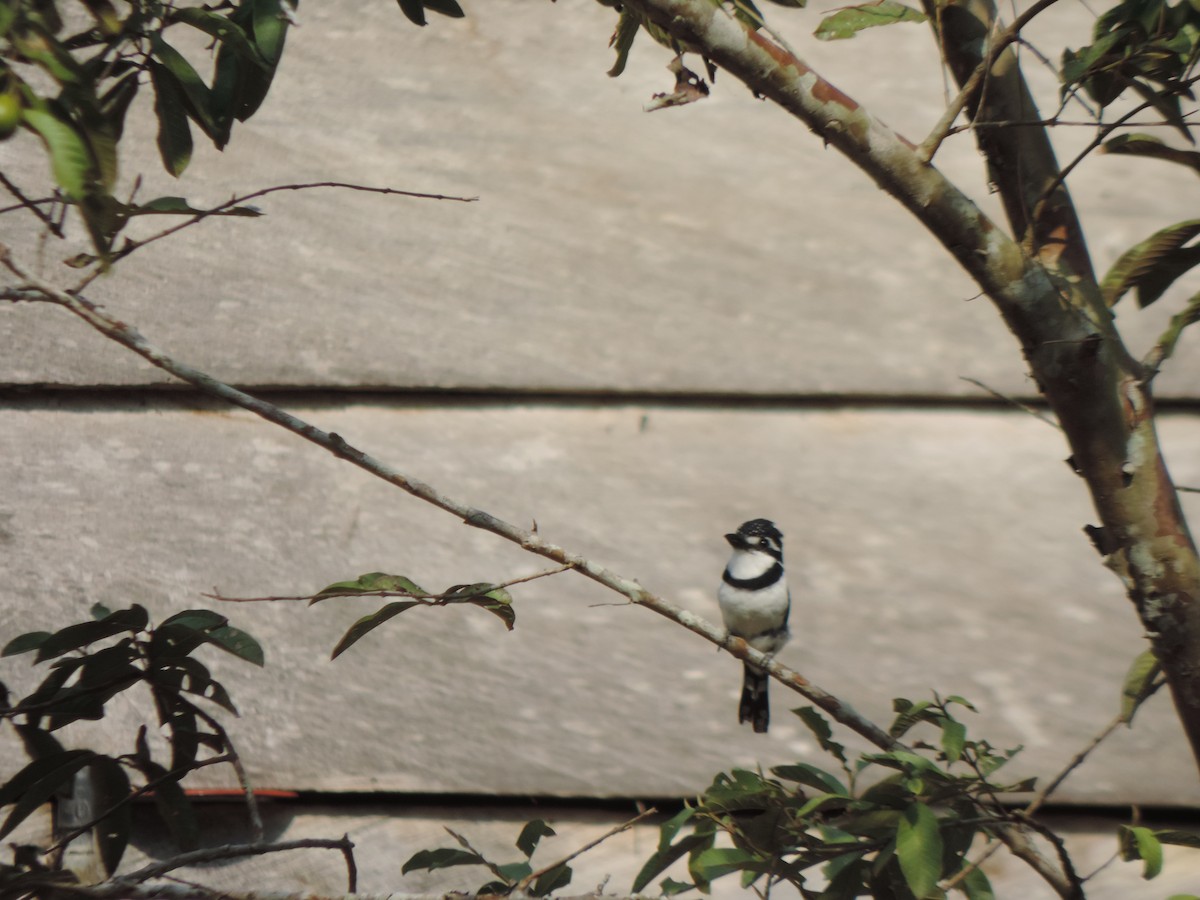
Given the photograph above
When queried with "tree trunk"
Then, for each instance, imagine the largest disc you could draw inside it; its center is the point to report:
(1040, 280)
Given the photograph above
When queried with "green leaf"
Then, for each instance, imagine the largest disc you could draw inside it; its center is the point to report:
(176, 206)
(558, 877)
(715, 862)
(822, 731)
(819, 801)
(531, 834)
(110, 784)
(919, 849)
(222, 28)
(39, 45)
(954, 738)
(23, 643)
(812, 776)
(371, 583)
(906, 760)
(441, 859)
(1138, 842)
(847, 22)
(70, 159)
(1137, 265)
(665, 857)
(976, 886)
(174, 133)
(846, 874)
(414, 10)
(239, 643)
(1180, 838)
(1152, 148)
(195, 92)
(1139, 683)
(367, 624)
(446, 8)
(628, 26)
(670, 887)
(270, 29)
(514, 872)
(73, 637)
(495, 600)
(106, 16)
(198, 619)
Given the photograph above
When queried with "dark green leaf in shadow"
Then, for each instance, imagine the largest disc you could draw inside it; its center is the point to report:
(37, 782)
(558, 877)
(531, 834)
(440, 859)
(222, 28)
(73, 637)
(195, 93)
(110, 784)
(23, 643)
(174, 133)
(367, 624)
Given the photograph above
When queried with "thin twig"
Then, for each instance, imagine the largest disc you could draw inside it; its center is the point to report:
(436, 598)
(1040, 798)
(483, 860)
(929, 146)
(132, 246)
(1033, 411)
(529, 879)
(256, 822)
(129, 337)
(226, 852)
(31, 205)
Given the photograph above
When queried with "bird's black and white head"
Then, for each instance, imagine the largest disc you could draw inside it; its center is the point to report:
(758, 536)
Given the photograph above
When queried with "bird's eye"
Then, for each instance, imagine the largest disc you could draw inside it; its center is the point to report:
(763, 542)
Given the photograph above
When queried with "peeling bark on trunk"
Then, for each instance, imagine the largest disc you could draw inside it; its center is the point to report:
(1041, 281)
(1101, 396)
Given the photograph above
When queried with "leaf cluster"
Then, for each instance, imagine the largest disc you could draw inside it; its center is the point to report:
(507, 876)
(73, 87)
(1148, 47)
(893, 824)
(485, 595)
(90, 663)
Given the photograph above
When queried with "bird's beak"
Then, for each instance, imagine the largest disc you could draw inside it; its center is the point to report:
(737, 541)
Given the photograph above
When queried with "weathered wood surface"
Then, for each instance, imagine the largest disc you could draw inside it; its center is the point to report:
(929, 550)
(713, 249)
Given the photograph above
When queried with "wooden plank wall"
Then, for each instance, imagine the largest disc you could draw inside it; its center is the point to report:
(649, 328)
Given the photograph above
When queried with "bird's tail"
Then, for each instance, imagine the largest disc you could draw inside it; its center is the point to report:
(754, 707)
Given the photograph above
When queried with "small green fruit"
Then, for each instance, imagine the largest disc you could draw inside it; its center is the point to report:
(10, 114)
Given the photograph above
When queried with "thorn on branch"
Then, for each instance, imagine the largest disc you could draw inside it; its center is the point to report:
(1101, 539)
